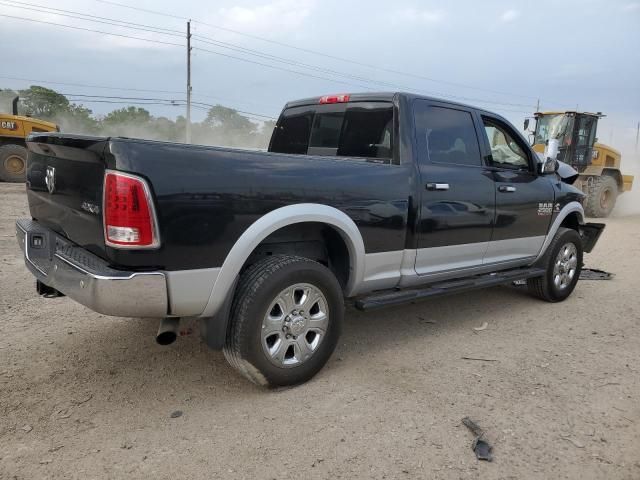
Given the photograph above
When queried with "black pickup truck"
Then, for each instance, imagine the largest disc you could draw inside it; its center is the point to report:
(376, 198)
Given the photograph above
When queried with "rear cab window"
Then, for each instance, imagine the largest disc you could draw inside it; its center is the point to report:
(355, 130)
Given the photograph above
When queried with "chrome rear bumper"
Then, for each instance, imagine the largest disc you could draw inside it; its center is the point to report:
(88, 279)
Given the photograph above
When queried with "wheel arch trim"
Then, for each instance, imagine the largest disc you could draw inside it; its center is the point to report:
(568, 209)
(275, 220)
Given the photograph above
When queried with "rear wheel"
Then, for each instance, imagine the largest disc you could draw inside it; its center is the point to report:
(285, 320)
(563, 264)
(602, 193)
(13, 162)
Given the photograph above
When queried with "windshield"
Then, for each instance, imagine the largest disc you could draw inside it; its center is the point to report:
(553, 126)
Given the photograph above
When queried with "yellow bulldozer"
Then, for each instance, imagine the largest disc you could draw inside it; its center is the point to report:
(14, 129)
(601, 178)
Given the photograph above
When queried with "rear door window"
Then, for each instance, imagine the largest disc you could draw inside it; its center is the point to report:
(363, 129)
(448, 134)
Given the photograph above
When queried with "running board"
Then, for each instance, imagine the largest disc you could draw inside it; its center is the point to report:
(449, 287)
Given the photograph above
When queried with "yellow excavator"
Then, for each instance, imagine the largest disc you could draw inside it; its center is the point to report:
(598, 164)
(14, 129)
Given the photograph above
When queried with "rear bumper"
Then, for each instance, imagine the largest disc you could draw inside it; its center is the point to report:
(88, 279)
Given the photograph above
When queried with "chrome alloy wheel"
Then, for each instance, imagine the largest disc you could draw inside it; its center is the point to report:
(565, 266)
(295, 324)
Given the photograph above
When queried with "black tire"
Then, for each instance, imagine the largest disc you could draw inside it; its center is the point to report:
(13, 163)
(545, 287)
(602, 193)
(258, 288)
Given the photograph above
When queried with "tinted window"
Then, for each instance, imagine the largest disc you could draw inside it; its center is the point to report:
(447, 134)
(505, 150)
(350, 130)
(291, 135)
(367, 132)
(326, 130)
(586, 131)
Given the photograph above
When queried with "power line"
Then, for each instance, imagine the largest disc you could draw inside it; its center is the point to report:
(255, 116)
(92, 18)
(340, 81)
(315, 52)
(88, 85)
(280, 68)
(240, 49)
(120, 98)
(126, 89)
(92, 30)
(169, 101)
(167, 104)
(334, 72)
(250, 61)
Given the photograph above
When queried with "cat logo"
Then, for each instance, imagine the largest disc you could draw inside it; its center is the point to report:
(7, 125)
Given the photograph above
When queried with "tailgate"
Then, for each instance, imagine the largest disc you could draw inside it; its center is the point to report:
(65, 175)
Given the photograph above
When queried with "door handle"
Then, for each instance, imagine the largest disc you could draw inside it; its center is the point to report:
(437, 186)
(506, 188)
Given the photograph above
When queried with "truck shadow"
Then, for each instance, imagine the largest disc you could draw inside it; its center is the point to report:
(121, 357)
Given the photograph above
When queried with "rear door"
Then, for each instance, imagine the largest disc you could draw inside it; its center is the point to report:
(524, 199)
(458, 194)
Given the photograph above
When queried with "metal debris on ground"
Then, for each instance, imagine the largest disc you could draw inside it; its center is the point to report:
(481, 327)
(480, 446)
(176, 414)
(595, 274)
(585, 274)
(481, 359)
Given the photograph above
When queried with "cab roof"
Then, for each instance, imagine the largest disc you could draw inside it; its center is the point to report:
(382, 97)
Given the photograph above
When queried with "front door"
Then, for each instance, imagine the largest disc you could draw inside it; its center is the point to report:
(524, 199)
(458, 195)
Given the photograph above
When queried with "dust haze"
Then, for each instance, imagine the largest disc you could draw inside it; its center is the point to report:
(628, 203)
(251, 135)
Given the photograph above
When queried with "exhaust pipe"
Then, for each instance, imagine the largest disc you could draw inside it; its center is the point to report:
(167, 331)
(14, 105)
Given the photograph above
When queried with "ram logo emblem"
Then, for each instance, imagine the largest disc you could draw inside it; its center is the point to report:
(50, 179)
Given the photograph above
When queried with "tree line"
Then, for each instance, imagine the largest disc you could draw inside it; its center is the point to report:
(221, 126)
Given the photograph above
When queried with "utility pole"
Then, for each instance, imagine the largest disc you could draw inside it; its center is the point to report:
(538, 106)
(188, 126)
(637, 136)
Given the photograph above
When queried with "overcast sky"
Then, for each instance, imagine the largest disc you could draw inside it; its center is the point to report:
(501, 55)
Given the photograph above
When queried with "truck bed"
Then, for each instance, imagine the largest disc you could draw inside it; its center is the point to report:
(205, 197)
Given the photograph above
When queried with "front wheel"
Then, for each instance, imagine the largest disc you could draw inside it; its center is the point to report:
(285, 322)
(563, 264)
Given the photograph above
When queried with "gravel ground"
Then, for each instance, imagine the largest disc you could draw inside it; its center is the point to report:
(88, 396)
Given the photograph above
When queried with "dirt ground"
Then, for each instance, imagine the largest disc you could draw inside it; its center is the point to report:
(88, 396)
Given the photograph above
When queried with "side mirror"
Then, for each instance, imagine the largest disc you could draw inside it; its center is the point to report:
(526, 124)
(547, 166)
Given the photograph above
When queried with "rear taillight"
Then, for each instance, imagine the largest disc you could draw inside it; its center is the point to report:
(334, 99)
(129, 217)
